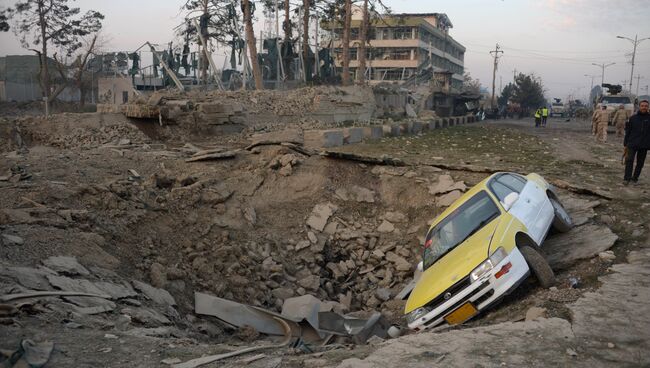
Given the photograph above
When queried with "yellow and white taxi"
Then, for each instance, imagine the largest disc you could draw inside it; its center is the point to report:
(483, 246)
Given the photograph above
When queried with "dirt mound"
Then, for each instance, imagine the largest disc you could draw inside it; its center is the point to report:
(87, 130)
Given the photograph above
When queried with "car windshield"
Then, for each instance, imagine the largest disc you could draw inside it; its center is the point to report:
(462, 223)
(616, 100)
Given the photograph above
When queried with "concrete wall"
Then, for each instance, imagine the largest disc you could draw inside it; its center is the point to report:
(112, 90)
(21, 92)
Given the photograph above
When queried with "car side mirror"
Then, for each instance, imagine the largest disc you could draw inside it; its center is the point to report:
(510, 200)
(420, 266)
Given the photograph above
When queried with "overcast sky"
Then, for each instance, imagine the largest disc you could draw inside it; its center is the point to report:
(557, 40)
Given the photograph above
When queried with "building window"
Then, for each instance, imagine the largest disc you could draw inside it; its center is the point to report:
(402, 33)
(399, 54)
(354, 34)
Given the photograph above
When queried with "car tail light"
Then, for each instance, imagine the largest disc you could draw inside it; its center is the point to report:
(504, 270)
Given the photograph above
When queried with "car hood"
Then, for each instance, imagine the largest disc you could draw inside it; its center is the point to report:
(453, 267)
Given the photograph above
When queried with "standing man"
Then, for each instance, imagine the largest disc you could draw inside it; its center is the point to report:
(544, 115)
(637, 142)
(538, 117)
(599, 123)
(619, 119)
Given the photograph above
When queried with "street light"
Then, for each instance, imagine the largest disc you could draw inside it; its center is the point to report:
(602, 66)
(635, 42)
(592, 76)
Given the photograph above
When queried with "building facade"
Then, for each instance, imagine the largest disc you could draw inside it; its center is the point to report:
(400, 45)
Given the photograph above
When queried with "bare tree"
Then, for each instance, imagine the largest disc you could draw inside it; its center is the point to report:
(52, 22)
(215, 23)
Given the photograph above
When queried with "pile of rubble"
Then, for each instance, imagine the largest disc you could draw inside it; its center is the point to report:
(78, 130)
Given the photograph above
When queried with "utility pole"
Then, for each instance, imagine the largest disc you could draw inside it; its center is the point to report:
(495, 54)
(602, 66)
(638, 80)
(635, 42)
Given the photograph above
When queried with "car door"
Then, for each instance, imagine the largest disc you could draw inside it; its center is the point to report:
(531, 205)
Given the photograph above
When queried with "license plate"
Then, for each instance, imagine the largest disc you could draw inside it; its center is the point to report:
(462, 314)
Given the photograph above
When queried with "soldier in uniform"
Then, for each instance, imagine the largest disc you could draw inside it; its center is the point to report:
(619, 119)
(599, 123)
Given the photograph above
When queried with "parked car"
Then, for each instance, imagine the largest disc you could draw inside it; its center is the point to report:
(483, 246)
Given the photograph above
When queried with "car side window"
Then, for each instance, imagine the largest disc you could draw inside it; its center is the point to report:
(505, 184)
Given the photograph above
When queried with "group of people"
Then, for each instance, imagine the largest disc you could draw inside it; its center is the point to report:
(635, 131)
(541, 115)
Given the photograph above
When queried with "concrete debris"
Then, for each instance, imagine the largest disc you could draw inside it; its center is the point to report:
(146, 316)
(212, 156)
(582, 242)
(294, 136)
(66, 266)
(320, 215)
(115, 291)
(395, 217)
(158, 296)
(29, 354)
(446, 200)
(386, 227)
(9, 239)
(446, 184)
(607, 255)
(534, 313)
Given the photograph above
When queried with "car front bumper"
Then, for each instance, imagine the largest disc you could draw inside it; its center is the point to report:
(480, 293)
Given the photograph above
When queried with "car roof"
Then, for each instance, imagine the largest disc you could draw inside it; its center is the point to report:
(482, 185)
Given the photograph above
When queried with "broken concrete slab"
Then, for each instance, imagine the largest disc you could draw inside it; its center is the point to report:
(65, 265)
(212, 156)
(295, 136)
(115, 291)
(581, 210)
(9, 239)
(158, 296)
(320, 215)
(386, 227)
(373, 132)
(417, 128)
(353, 135)
(446, 200)
(332, 138)
(446, 184)
(30, 278)
(146, 316)
(582, 242)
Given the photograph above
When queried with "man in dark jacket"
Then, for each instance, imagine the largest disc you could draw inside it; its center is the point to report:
(637, 142)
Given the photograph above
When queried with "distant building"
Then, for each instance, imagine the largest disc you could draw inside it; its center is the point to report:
(400, 45)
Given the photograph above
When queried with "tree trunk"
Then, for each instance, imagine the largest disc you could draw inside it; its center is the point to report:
(252, 45)
(45, 73)
(204, 55)
(81, 66)
(305, 39)
(286, 27)
(346, 43)
(361, 51)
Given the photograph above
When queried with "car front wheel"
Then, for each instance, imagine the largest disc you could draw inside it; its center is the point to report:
(562, 221)
(539, 265)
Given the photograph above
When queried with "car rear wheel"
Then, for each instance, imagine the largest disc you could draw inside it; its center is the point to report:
(539, 265)
(562, 221)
